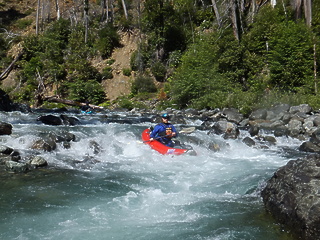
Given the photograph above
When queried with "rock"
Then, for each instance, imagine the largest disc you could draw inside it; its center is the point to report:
(258, 114)
(303, 108)
(5, 128)
(62, 136)
(253, 130)
(279, 132)
(69, 120)
(38, 161)
(61, 120)
(270, 139)
(95, 147)
(232, 115)
(229, 130)
(315, 137)
(5, 150)
(292, 196)
(16, 167)
(295, 127)
(309, 147)
(249, 141)
(50, 120)
(44, 144)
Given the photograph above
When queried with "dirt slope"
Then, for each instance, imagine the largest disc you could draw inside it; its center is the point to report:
(121, 85)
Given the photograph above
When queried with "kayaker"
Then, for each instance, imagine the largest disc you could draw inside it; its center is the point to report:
(86, 108)
(164, 131)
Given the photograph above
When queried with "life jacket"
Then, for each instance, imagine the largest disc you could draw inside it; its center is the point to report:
(167, 131)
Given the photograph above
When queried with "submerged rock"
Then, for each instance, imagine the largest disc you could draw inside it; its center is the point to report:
(292, 196)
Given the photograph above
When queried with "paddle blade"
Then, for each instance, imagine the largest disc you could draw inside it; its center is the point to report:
(188, 130)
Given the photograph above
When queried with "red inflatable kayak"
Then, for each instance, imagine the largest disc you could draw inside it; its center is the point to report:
(158, 146)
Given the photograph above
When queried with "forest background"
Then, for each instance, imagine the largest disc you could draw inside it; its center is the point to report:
(244, 54)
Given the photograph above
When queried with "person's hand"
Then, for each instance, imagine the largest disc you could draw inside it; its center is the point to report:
(151, 139)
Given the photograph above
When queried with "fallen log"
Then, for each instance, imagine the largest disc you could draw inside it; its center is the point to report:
(69, 102)
(6, 72)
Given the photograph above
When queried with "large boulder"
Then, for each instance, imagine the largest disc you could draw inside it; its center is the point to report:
(292, 196)
(5, 128)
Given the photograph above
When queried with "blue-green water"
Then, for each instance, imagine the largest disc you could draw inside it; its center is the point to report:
(128, 191)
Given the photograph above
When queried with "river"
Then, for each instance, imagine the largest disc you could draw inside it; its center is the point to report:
(129, 191)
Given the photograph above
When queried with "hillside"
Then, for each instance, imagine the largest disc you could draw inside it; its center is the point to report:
(119, 85)
(191, 53)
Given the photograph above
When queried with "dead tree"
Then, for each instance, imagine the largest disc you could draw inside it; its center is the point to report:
(124, 9)
(216, 12)
(7, 71)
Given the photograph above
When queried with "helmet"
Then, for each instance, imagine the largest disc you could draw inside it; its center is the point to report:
(165, 115)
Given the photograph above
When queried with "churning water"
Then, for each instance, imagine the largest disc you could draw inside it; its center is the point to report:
(125, 190)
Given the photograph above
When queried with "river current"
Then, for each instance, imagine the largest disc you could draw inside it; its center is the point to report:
(128, 191)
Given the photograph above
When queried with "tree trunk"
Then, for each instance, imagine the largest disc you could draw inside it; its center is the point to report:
(315, 69)
(57, 9)
(297, 8)
(124, 9)
(69, 102)
(37, 18)
(86, 20)
(6, 72)
(308, 11)
(234, 19)
(216, 12)
(112, 11)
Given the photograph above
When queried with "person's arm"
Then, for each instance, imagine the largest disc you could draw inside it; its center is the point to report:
(154, 132)
(174, 132)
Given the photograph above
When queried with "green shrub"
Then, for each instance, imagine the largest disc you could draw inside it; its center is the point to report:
(107, 73)
(126, 72)
(125, 102)
(23, 23)
(143, 84)
(159, 70)
(110, 61)
(107, 40)
(90, 90)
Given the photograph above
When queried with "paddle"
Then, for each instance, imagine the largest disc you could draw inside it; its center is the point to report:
(188, 130)
(157, 138)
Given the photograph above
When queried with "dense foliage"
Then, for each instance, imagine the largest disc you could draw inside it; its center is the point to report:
(201, 56)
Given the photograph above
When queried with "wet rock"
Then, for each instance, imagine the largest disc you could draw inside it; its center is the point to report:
(38, 161)
(50, 120)
(69, 120)
(95, 147)
(16, 167)
(63, 136)
(292, 196)
(249, 141)
(5, 150)
(47, 145)
(309, 147)
(270, 139)
(282, 131)
(58, 120)
(253, 130)
(8, 154)
(5, 128)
